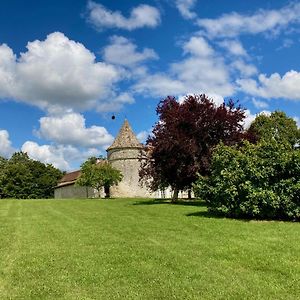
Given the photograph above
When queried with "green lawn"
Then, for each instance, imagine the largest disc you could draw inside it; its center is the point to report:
(137, 249)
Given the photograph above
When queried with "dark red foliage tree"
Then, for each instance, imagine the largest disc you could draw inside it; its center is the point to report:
(183, 139)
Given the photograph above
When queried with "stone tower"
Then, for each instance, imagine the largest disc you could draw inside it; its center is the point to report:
(123, 155)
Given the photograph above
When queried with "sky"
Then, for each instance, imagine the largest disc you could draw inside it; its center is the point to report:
(66, 67)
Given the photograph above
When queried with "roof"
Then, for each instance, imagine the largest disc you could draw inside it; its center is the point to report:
(125, 138)
(69, 178)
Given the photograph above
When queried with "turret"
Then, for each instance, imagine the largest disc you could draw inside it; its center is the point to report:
(123, 155)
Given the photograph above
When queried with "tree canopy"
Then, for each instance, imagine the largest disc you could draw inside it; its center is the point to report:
(254, 181)
(183, 139)
(22, 177)
(276, 126)
(98, 174)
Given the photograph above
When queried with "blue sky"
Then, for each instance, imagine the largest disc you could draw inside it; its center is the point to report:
(67, 66)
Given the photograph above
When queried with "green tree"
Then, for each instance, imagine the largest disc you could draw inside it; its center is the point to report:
(254, 181)
(98, 174)
(18, 181)
(277, 126)
(3, 162)
(22, 177)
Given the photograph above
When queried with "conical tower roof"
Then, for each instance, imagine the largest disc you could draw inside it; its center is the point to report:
(125, 138)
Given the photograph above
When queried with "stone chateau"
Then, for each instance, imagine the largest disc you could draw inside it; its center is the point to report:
(123, 154)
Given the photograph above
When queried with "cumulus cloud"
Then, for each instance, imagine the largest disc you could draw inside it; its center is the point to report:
(141, 16)
(201, 71)
(70, 129)
(7, 71)
(235, 24)
(198, 46)
(275, 86)
(122, 51)
(185, 8)
(57, 72)
(60, 156)
(6, 149)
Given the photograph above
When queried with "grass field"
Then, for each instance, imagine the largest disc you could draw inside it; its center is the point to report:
(138, 249)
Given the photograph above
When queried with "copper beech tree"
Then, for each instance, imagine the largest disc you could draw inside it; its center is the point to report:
(183, 139)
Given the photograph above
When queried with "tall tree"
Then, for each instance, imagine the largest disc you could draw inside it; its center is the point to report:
(3, 162)
(98, 174)
(277, 126)
(183, 139)
(22, 177)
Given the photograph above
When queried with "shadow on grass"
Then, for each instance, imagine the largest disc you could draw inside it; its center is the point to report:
(213, 215)
(205, 214)
(185, 202)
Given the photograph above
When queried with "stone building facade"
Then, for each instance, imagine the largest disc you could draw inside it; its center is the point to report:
(66, 188)
(123, 155)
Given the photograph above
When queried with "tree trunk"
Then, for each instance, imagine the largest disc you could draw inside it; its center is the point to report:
(175, 195)
(189, 194)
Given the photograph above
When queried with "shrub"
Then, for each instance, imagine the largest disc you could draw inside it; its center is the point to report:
(253, 181)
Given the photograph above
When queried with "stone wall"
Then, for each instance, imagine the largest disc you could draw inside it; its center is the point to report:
(126, 160)
(72, 191)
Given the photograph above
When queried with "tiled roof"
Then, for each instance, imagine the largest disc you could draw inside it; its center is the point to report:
(125, 138)
(69, 178)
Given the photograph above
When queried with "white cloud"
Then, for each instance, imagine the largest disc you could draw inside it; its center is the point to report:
(245, 70)
(185, 8)
(118, 102)
(62, 157)
(159, 85)
(198, 46)
(122, 51)
(297, 120)
(201, 71)
(140, 16)
(259, 104)
(234, 24)
(7, 70)
(275, 86)
(57, 72)
(70, 129)
(234, 47)
(6, 149)
(249, 119)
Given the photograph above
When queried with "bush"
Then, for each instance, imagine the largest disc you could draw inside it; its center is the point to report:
(253, 181)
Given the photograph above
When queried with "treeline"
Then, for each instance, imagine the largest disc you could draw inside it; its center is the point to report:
(24, 178)
(247, 173)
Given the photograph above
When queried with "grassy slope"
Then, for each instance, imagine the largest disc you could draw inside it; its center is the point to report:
(129, 249)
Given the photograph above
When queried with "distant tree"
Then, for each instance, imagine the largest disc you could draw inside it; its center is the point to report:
(46, 178)
(277, 126)
(183, 139)
(3, 162)
(98, 174)
(18, 181)
(22, 177)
